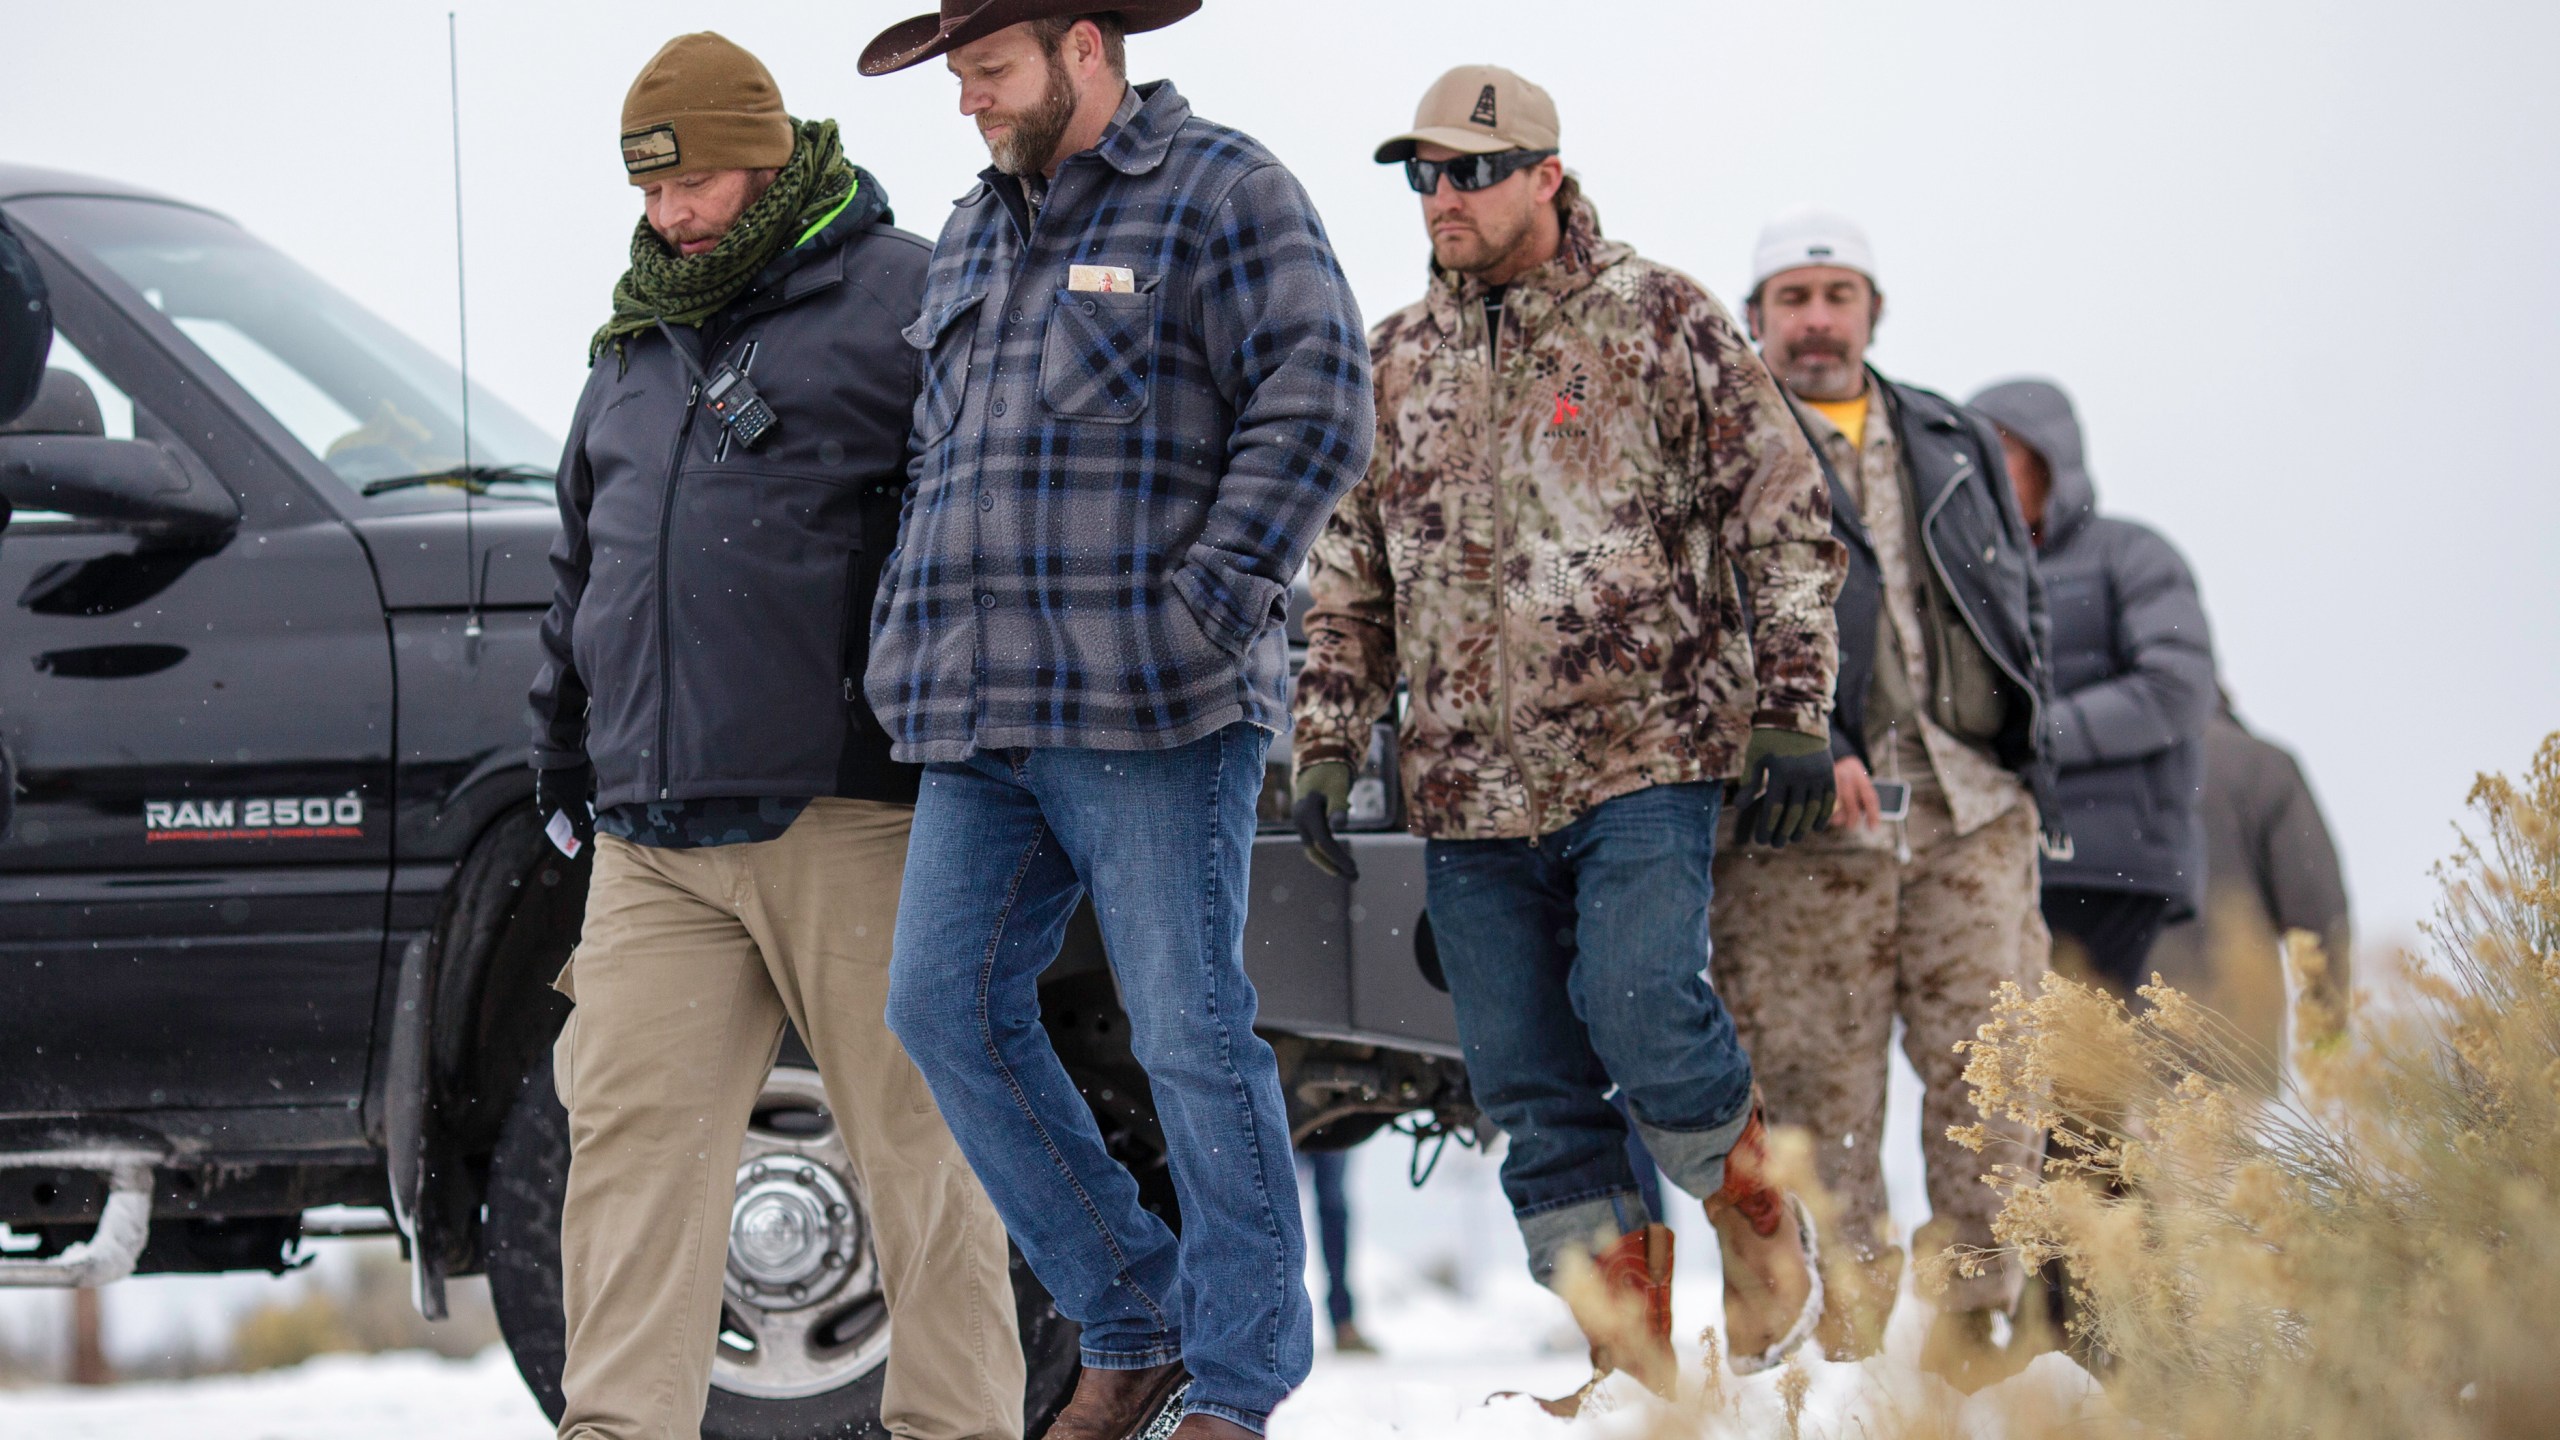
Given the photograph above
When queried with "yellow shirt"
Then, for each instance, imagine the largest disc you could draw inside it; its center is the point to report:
(1849, 417)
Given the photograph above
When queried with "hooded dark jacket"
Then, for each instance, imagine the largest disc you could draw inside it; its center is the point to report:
(2132, 670)
(708, 628)
(2270, 867)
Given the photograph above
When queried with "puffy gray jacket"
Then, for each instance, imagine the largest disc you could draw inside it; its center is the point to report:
(2132, 673)
(709, 625)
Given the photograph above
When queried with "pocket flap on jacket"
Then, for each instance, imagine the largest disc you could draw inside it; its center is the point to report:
(938, 317)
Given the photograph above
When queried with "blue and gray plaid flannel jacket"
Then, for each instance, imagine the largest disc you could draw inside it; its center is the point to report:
(1110, 492)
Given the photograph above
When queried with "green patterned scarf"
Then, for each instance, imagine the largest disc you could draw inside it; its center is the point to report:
(813, 185)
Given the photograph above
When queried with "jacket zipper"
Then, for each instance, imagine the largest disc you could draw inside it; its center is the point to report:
(666, 528)
(1501, 618)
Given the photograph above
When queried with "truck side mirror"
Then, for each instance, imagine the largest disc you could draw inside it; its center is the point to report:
(132, 483)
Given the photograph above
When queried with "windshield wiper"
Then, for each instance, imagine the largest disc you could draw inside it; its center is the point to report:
(477, 479)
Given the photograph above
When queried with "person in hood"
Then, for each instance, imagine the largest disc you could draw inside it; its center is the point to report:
(2271, 870)
(1919, 909)
(1579, 465)
(2133, 683)
(715, 568)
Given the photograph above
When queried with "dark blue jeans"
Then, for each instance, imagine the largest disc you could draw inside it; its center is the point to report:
(1579, 960)
(1327, 1169)
(1004, 848)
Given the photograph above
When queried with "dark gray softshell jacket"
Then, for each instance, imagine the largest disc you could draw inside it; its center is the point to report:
(2132, 674)
(709, 623)
(2270, 864)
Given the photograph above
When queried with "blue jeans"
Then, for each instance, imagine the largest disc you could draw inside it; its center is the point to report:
(1326, 1168)
(1579, 960)
(1005, 846)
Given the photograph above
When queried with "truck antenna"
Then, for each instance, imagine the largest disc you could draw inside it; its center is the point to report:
(462, 324)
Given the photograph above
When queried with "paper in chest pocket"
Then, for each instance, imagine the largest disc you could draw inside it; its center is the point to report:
(1106, 279)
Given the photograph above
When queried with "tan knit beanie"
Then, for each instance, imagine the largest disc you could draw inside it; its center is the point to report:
(701, 103)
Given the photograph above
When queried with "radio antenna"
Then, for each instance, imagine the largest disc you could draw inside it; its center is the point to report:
(462, 325)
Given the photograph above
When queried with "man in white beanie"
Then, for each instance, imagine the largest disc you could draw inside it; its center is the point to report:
(1920, 897)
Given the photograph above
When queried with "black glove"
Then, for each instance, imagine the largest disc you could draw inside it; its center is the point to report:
(1322, 789)
(1787, 791)
(569, 790)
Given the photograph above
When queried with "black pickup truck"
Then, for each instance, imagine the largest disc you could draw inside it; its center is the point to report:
(277, 921)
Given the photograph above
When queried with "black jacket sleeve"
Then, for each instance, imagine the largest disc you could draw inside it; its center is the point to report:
(26, 326)
(559, 697)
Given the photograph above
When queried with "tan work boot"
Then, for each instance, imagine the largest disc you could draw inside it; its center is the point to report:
(1772, 1265)
(1626, 1315)
(1857, 1299)
(1960, 1350)
(1117, 1404)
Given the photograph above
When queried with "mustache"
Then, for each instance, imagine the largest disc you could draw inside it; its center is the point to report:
(1818, 345)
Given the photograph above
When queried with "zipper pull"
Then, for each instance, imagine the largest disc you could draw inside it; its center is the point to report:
(848, 689)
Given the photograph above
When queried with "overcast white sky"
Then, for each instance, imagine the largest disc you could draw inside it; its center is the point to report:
(2294, 259)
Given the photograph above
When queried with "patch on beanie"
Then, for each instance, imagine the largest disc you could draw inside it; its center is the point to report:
(650, 149)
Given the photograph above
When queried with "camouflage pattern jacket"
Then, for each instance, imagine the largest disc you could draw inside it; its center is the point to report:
(1546, 547)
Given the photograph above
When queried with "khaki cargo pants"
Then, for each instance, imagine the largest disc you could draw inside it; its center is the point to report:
(690, 961)
(1820, 946)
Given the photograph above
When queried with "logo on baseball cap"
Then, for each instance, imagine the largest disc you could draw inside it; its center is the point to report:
(1478, 110)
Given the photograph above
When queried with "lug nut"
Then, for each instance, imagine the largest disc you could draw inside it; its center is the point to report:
(756, 1171)
(799, 1292)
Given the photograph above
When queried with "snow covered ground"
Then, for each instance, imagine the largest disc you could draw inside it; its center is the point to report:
(1438, 1272)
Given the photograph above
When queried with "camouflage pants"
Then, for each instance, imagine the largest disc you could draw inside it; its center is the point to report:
(1819, 947)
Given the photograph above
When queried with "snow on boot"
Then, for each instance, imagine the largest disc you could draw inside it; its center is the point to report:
(1622, 1301)
(1772, 1264)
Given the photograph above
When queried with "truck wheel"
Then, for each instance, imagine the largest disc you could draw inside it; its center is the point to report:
(804, 1334)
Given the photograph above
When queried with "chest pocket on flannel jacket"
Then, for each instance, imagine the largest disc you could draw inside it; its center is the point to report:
(1098, 358)
(945, 334)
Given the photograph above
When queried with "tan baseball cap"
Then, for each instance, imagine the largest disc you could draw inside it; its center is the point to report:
(1478, 110)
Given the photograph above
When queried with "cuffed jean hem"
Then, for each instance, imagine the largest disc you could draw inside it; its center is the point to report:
(1246, 1418)
(1583, 1225)
(1694, 1159)
(1163, 1353)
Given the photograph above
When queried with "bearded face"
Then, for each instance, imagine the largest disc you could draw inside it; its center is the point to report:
(1023, 140)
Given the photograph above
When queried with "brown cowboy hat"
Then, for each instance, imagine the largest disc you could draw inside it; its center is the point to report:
(911, 42)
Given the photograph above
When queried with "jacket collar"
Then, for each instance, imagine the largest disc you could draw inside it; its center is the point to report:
(1140, 136)
(1582, 256)
(1142, 130)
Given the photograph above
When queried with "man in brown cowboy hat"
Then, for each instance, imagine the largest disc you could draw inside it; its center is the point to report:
(1144, 386)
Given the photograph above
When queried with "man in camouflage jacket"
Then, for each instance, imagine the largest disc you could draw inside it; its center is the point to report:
(1580, 471)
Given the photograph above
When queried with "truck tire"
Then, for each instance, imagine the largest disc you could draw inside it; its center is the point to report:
(832, 1353)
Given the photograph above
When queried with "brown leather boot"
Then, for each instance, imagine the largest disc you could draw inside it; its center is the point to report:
(1772, 1265)
(1116, 1404)
(1628, 1319)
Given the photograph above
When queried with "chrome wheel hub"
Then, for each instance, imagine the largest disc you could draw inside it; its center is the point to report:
(802, 1310)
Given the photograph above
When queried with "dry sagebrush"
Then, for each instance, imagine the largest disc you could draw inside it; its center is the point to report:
(2366, 1242)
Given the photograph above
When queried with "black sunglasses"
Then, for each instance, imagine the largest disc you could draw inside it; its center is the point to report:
(1470, 172)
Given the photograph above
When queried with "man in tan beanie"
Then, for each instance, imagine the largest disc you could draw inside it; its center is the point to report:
(730, 485)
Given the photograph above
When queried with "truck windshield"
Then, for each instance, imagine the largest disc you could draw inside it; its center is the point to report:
(382, 412)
